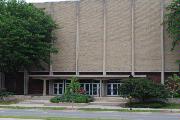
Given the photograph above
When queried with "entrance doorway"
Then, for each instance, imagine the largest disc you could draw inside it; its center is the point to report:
(113, 89)
(58, 88)
(91, 88)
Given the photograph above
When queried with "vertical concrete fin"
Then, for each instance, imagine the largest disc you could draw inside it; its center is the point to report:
(77, 36)
(26, 82)
(162, 42)
(104, 37)
(132, 37)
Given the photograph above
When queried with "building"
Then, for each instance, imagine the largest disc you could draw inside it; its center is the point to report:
(102, 42)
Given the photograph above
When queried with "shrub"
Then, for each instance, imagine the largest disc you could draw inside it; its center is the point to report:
(4, 94)
(176, 95)
(79, 98)
(76, 98)
(147, 105)
(73, 94)
(173, 85)
(73, 87)
(143, 89)
(55, 99)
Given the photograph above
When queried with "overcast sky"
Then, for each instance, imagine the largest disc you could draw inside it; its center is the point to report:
(33, 1)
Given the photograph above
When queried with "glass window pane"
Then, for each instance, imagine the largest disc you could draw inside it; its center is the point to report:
(109, 89)
(55, 91)
(115, 89)
(82, 85)
(87, 89)
(55, 85)
(60, 91)
(95, 89)
(60, 85)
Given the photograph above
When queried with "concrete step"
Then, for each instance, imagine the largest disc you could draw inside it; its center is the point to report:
(120, 104)
(110, 99)
(41, 97)
(34, 102)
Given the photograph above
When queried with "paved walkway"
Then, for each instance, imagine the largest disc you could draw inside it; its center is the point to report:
(84, 114)
(46, 103)
(88, 106)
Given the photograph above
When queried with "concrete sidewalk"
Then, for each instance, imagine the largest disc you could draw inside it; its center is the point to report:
(111, 108)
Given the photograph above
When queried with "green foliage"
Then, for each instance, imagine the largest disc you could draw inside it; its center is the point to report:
(76, 98)
(4, 94)
(159, 104)
(143, 89)
(55, 99)
(172, 21)
(176, 95)
(73, 87)
(173, 84)
(26, 35)
(146, 105)
(73, 94)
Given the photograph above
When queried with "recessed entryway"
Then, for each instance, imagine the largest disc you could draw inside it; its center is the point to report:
(113, 89)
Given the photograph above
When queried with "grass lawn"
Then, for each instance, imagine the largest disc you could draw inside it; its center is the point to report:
(53, 118)
(83, 109)
(161, 105)
(43, 108)
(118, 110)
(8, 102)
(172, 106)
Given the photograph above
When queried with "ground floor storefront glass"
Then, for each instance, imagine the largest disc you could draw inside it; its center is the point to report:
(113, 89)
(92, 87)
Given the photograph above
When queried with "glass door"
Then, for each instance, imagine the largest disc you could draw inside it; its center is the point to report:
(95, 89)
(58, 88)
(87, 88)
(112, 89)
(108, 89)
(91, 88)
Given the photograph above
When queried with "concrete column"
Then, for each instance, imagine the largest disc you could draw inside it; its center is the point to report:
(132, 38)
(162, 42)
(51, 55)
(50, 87)
(101, 89)
(26, 82)
(104, 37)
(77, 36)
(44, 87)
(105, 88)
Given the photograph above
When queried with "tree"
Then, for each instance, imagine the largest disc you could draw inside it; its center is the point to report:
(143, 89)
(26, 35)
(172, 21)
(74, 86)
(173, 84)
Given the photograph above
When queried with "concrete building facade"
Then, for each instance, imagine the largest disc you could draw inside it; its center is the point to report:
(103, 42)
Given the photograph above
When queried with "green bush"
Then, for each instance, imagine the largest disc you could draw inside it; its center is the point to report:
(73, 94)
(55, 99)
(80, 98)
(147, 105)
(76, 98)
(177, 95)
(143, 89)
(73, 87)
(173, 85)
(4, 94)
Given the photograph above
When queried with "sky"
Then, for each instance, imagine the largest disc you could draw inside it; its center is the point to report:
(35, 1)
